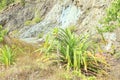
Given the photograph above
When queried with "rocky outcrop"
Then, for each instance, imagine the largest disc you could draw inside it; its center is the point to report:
(14, 16)
(84, 14)
(81, 13)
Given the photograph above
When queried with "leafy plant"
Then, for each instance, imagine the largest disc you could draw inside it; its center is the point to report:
(75, 53)
(72, 48)
(49, 46)
(7, 56)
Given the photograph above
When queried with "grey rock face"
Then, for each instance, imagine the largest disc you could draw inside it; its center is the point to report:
(14, 16)
(85, 14)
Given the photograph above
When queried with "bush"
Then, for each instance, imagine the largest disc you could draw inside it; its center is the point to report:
(73, 49)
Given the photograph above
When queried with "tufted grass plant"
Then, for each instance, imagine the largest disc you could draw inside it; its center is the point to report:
(75, 53)
(70, 49)
(7, 56)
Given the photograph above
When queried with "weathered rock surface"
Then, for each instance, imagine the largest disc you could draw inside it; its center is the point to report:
(84, 14)
(14, 16)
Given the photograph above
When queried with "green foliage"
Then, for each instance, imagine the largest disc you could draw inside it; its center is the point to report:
(112, 19)
(101, 33)
(4, 3)
(32, 22)
(69, 45)
(74, 51)
(2, 33)
(49, 45)
(7, 56)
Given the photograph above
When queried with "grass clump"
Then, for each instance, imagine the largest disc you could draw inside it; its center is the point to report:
(73, 51)
(7, 56)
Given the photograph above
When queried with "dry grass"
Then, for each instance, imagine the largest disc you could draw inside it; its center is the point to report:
(27, 67)
(30, 65)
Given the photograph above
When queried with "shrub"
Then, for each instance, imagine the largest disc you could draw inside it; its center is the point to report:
(6, 56)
